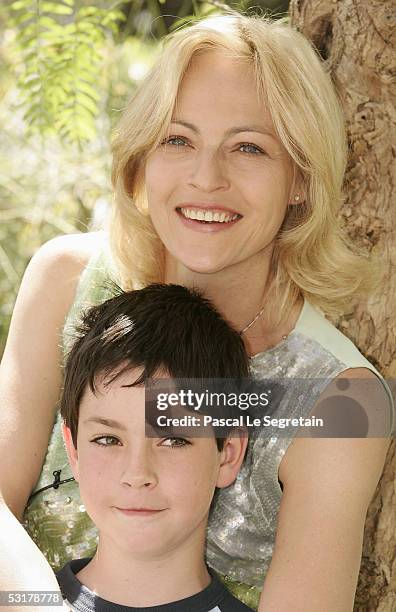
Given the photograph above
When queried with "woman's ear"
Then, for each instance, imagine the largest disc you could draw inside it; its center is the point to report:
(232, 453)
(298, 191)
(72, 453)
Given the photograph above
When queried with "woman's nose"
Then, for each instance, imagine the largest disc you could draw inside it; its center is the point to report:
(138, 468)
(208, 173)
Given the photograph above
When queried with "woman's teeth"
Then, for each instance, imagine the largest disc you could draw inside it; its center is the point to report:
(208, 215)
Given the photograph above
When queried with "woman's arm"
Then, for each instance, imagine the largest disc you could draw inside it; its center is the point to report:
(30, 379)
(22, 566)
(327, 486)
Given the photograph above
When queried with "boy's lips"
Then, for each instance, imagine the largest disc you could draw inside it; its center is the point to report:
(140, 511)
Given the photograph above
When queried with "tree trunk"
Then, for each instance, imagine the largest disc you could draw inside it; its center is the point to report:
(355, 39)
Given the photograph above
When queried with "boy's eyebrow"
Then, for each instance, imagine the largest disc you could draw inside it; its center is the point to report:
(107, 422)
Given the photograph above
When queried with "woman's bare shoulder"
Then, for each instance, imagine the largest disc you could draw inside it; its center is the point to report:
(71, 249)
(60, 261)
(54, 271)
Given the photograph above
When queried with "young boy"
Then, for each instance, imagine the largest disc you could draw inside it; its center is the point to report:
(148, 496)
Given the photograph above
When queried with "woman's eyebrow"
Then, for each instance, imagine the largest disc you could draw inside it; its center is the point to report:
(232, 131)
(107, 422)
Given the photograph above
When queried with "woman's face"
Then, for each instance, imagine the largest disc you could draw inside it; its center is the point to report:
(219, 184)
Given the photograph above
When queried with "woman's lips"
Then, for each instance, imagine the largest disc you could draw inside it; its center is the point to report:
(206, 227)
(207, 206)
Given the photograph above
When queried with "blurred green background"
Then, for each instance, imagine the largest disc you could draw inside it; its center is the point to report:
(67, 69)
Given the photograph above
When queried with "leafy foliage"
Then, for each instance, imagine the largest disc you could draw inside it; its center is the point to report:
(47, 188)
(60, 49)
(67, 68)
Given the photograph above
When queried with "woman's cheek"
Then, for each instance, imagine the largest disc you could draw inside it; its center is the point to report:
(157, 178)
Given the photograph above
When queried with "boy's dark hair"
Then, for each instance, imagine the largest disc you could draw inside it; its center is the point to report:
(160, 327)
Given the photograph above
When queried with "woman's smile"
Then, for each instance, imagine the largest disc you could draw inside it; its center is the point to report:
(208, 218)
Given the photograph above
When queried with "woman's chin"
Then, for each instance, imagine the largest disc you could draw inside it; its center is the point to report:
(199, 259)
(203, 266)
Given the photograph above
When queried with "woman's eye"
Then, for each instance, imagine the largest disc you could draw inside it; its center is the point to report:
(176, 141)
(106, 441)
(251, 148)
(175, 442)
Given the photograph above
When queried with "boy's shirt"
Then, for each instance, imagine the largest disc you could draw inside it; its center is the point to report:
(214, 598)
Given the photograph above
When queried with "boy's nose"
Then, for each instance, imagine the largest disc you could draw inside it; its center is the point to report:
(138, 470)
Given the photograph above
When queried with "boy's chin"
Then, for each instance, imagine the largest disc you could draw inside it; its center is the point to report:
(144, 549)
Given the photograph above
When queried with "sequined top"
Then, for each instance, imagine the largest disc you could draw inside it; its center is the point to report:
(242, 525)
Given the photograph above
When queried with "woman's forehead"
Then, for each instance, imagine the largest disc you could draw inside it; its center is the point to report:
(217, 67)
(222, 89)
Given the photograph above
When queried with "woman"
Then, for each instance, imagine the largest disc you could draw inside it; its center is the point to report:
(228, 165)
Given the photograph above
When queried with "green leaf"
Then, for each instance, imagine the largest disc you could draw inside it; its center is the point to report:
(21, 4)
(22, 18)
(88, 90)
(88, 61)
(83, 100)
(113, 16)
(66, 114)
(84, 39)
(69, 29)
(83, 113)
(27, 41)
(87, 11)
(30, 83)
(32, 56)
(48, 22)
(51, 37)
(85, 26)
(56, 8)
(28, 30)
(32, 114)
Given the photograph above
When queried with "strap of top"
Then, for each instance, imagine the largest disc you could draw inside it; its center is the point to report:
(96, 284)
(312, 323)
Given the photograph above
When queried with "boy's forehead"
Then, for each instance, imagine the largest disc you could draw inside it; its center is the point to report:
(126, 376)
(117, 389)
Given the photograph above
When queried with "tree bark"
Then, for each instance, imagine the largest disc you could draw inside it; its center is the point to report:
(355, 39)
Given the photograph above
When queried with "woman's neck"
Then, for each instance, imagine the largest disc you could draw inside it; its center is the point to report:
(239, 293)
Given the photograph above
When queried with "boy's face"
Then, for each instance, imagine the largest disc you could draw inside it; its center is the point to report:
(146, 495)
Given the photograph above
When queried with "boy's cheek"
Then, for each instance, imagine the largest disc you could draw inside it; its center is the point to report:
(91, 472)
(91, 488)
(97, 475)
(200, 484)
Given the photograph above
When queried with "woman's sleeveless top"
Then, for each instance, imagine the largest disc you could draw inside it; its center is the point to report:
(242, 525)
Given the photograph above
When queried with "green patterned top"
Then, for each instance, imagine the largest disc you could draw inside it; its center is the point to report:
(55, 518)
(242, 525)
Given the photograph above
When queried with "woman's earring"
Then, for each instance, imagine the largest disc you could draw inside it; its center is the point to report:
(296, 198)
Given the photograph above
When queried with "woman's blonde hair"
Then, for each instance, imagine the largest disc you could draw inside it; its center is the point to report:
(311, 255)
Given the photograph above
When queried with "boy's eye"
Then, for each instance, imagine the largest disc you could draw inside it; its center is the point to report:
(106, 441)
(253, 149)
(175, 442)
